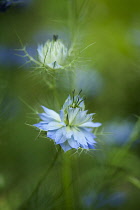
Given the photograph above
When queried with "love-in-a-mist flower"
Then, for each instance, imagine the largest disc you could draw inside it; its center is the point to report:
(72, 127)
(53, 53)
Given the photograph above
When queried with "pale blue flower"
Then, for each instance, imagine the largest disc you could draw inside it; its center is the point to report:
(53, 53)
(72, 127)
(103, 199)
(119, 132)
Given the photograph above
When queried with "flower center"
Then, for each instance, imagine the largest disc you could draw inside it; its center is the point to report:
(76, 100)
(55, 37)
(67, 120)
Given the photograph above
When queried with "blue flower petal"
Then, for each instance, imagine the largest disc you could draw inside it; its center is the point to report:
(84, 146)
(79, 136)
(67, 103)
(73, 143)
(61, 140)
(72, 114)
(62, 115)
(52, 114)
(54, 125)
(59, 137)
(44, 117)
(51, 134)
(65, 146)
(90, 146)
(82, 105)
(90, 124)
(80, 118)
(41, 125)
(89, 136)
(67, 131)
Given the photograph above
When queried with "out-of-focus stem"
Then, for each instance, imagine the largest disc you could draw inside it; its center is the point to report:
(35, 191)
(67, 180)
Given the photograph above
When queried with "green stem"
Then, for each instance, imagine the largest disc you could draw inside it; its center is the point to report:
(67, 180)
(135, 133)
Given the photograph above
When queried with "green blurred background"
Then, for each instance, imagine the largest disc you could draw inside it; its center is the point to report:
(108, 73)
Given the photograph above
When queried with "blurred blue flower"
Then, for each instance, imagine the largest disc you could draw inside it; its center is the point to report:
(6, 4)
(100, 200)
(89, 80)
(10, 57)
(117, 199)
(119, 132)
(72, 128)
